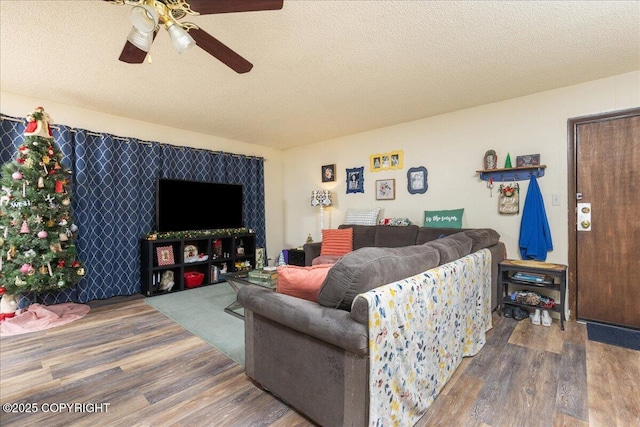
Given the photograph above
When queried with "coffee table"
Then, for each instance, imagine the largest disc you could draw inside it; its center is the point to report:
(237, 280)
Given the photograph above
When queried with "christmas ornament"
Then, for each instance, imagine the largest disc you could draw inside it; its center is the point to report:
(59, 188)
(42, 234)
(24, 229)
(8, 306)
(27, 269)
(38, 124)
(16, 175)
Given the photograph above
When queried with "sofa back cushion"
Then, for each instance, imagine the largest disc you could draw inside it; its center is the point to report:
(482, 238)
(370, 267)
(427, 234)
(363, 235)
(395, 237)
(452, 247)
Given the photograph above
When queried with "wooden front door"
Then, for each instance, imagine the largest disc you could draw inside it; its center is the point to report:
(604, 229)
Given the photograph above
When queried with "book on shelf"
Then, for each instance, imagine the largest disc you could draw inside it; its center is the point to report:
(531, 277)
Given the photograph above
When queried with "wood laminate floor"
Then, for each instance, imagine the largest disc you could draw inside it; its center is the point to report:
(126, 364)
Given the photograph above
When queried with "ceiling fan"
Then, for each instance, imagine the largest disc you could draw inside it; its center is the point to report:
(148, 15)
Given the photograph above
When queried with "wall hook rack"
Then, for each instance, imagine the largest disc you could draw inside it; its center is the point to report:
(521, 173)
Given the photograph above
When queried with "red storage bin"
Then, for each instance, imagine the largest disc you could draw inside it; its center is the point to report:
(193, 279)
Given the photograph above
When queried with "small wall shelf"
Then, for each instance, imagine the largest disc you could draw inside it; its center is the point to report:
(512, 174)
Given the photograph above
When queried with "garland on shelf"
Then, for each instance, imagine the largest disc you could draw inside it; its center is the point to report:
(154, 235)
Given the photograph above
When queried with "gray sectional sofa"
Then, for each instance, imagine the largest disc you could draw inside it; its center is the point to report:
(383, 236)
(315, 356)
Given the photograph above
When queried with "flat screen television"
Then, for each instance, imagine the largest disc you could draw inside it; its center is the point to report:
(190, 205)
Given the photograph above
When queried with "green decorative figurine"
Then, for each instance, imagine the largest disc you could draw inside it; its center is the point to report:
(507, 163)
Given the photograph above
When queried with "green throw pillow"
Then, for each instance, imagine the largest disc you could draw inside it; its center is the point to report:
(444, 219)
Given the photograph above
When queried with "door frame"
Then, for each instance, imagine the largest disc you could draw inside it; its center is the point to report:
(572, 164)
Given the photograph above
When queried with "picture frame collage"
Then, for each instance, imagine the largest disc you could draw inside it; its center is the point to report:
(385, 189)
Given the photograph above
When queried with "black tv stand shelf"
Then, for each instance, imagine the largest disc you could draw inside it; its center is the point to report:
(554, 278)
(205, 256)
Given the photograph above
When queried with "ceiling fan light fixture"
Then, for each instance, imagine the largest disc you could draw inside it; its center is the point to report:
(181, 39)
(140, 40)
(144, 18)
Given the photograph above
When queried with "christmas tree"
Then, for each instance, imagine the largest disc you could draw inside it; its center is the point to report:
(37, 250)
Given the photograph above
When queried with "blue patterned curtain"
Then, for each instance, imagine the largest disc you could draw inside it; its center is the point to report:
(114, 198)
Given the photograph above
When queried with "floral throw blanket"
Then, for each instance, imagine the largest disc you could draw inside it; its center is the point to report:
(419, 330)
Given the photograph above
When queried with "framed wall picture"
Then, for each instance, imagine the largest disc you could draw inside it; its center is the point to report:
(417, 180)
(165, 255)
(386, 161)
(328, 173)
(385, 189)
(260, 261)
(490, 160)
(528, 160)
(355, 180)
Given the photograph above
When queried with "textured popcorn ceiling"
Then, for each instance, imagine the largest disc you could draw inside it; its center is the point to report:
(322, 69)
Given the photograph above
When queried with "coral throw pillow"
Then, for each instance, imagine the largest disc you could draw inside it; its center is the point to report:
(302, 282)
(337, 241)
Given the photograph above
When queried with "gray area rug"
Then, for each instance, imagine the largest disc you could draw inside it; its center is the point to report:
(201, 312)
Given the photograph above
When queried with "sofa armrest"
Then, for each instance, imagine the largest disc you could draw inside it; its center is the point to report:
(311, 251)
(330, 325)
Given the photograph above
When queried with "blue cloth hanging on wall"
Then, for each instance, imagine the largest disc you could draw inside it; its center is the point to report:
(535, 234)
(113, 198)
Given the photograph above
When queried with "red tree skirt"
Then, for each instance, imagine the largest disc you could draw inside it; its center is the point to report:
(38, 317)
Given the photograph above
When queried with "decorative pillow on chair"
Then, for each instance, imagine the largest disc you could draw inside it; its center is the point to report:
(302, 282)
(444, 219)
(362, 216)
(336, 241)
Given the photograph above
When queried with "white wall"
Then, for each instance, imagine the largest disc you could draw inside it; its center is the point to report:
(451, 147)
(20, 106)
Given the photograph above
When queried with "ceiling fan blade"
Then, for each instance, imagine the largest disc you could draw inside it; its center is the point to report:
(214, 47)
(131, 54)
(208, 7)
